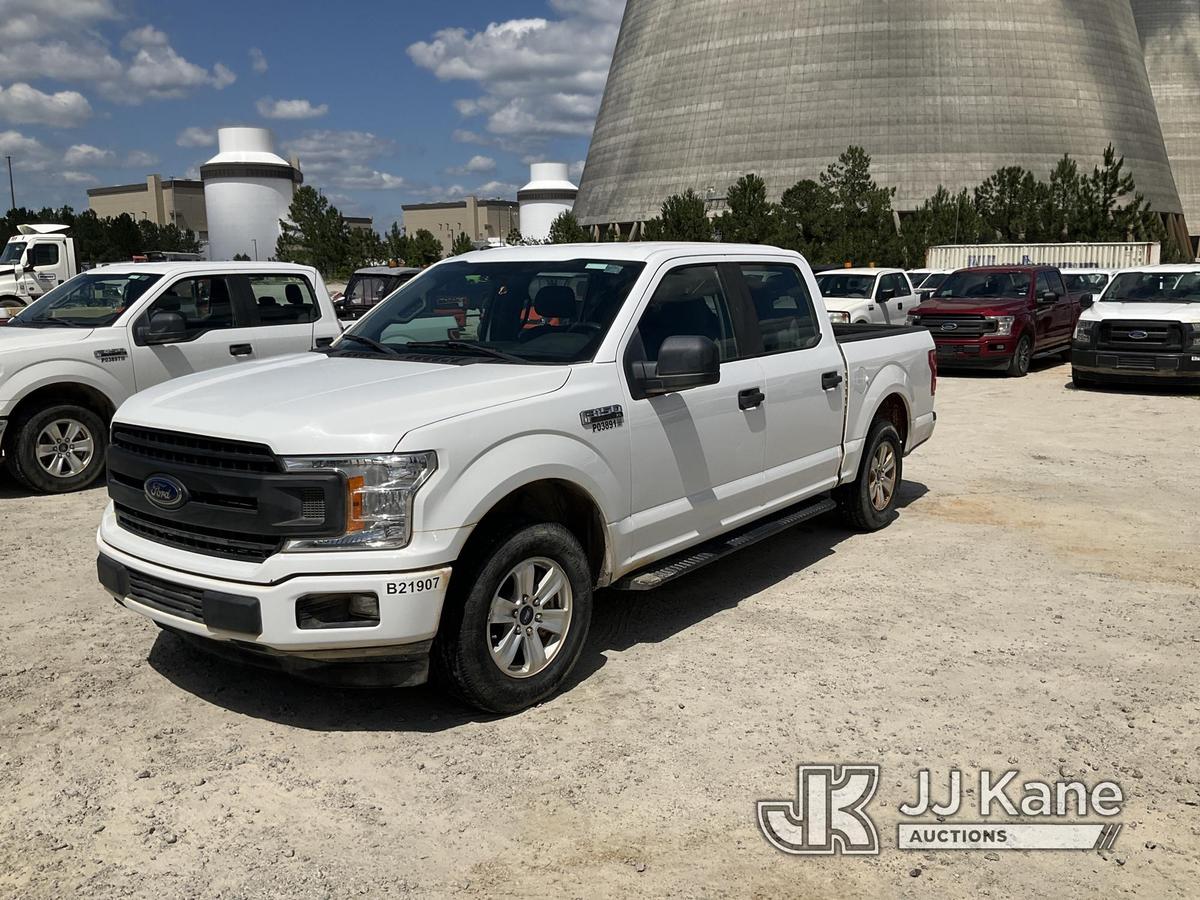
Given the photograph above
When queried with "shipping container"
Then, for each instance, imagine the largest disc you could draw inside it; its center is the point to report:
(1065, 256)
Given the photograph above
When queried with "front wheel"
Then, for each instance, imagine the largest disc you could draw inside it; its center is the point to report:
(516, 619)
(1018, 366)
(869, 502)
(58, 449)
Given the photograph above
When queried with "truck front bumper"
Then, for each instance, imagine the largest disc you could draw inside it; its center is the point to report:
(988, 352)
(1159, 368)
(262, 624)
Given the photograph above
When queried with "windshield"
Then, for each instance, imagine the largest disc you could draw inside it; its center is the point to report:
(543, 312)
(984, 285)
(1082, 284)
(1154, 287)
(832, 284)
(90, 300)
(12, 252)
(934, 281)
(367, 290)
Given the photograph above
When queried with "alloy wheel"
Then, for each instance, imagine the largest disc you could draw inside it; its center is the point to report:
(881, 480)
(65, 448)
(529, 617)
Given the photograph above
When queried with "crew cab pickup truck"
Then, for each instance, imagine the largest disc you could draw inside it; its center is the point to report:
(1144, 329)
(999, 317)
(70, 358)
(388, 505)
(867, 296)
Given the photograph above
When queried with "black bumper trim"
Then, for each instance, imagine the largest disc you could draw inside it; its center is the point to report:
(1183, 366)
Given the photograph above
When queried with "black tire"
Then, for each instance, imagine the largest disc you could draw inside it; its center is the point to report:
(11, 302)
(462, 653)
(858, 509)
(1018, 366)
(23, 459)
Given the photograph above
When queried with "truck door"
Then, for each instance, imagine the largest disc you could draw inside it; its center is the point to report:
(283, 310)
(698, 453)
(890, 300)
(216, 331)
(1065, 311)
(48, 265)
(1049, 315)
(805, 385)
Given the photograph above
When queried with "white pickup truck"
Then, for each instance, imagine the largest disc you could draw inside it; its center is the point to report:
(867, 296)
(592, 415)
(69, 359)
(34, 261)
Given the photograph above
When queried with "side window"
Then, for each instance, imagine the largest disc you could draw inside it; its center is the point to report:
(283, 299)
(783, 306)
(900, 285)
(44, 255)
(1057, 284)
(688, 301)
(205, 304)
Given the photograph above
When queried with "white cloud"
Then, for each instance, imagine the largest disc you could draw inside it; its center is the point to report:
(29, 154)
(140, 158)
(365, 178)
(24, 104)
(476, 165)
(158, 71)
(269, 108)
(223, 76)
(540, 78)
(575, 170)
(463, 136)
(30, 20)
(87, 155)
(196, 137)
(258, 61)
(78, 177)
(325, 151)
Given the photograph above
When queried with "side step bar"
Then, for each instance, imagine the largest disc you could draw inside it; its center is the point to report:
(665, 570)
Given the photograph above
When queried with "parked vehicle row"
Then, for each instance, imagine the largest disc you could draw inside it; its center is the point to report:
(867, 296)
(609, 415)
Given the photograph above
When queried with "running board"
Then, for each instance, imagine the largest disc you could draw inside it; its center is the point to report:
(659, 573)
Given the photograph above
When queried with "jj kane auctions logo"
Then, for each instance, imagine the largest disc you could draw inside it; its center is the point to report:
(830, 814)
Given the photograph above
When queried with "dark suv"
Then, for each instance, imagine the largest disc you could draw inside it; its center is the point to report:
(999, 317)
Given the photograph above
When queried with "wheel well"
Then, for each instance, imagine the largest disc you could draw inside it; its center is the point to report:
(893, 409)
(551, 500)
(87, 397)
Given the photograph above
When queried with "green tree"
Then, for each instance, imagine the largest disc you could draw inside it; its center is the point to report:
(124, 236)
(683, 218)
(805, 221)
(315, 234)
(565, 229)
(750, 217)
(462, 244)
(424, 249)
(944, 218)
(396, 244)
(1062, 212)
(862, 224)
(1011, 202)
(514, 237)
(241, 257)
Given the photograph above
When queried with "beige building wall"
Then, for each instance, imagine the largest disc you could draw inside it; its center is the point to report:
(481, 219)
(162, 202)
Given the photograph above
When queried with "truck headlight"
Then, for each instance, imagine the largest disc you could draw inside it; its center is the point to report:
(379, 498)
(1195, 337)
(839, 318)
(912, 320)
(1084, 330)
(1004, 325)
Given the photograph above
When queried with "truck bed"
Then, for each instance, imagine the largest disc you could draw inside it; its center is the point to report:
(849, 334)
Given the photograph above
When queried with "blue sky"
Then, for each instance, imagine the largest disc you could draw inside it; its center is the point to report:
(385, 103)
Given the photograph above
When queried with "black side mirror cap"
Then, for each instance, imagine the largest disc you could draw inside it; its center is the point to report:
(684, 361)
(1047, 297)
(1087, 301)
(165, 327)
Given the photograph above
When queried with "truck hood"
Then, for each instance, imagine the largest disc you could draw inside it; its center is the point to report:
(1149, 312)
(312, 404)
(847, 304)
(970, 307)
(22, 338)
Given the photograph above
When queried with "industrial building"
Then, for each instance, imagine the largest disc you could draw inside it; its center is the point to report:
(482, 220)
(174, 201)
(549, 194)
(939, 93)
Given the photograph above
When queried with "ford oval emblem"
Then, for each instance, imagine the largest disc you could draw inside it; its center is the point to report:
(1138, 335)
(949, 326)
(165, 492)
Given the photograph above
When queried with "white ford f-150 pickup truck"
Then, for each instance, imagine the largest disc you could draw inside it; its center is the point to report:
(588, 416)
(70, 358)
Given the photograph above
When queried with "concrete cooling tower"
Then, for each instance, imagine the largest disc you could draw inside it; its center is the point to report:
(938, 92)
(1170, 32)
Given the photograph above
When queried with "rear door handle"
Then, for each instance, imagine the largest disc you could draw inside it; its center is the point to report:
(751, 398)
(830, 380)
(240, 349)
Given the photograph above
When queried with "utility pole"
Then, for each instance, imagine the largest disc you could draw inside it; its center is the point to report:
(254, 241)
(11, 193)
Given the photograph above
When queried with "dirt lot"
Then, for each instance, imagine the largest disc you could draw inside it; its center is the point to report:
(1034, 607)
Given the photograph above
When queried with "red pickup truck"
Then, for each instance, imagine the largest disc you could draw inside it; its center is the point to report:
(999, 317)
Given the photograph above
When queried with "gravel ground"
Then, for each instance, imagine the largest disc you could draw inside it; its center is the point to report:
(1034, 607)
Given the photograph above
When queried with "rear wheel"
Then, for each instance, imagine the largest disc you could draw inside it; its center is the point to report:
(58, 449)
(869, 502)
(516, 619)
(1018, 366)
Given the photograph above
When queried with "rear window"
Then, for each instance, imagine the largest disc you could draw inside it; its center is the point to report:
(283, 299)
(985, 285)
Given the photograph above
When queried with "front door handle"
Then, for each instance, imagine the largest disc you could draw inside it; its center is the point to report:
(830, 380)
(240, 349)
(751, 398)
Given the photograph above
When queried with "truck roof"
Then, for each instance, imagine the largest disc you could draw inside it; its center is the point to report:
(641, 251)
(183, 267)
(386, 270)
(863, 270)
(1032, 267)
(1179, 268)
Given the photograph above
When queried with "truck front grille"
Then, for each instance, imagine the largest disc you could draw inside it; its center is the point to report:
(175, 599)
(962, 326)
(194, 450)
(196, 538)
(1141, 336)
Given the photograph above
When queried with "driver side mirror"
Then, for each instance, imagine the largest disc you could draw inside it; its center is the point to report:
(1087, 301)
(166, 327)
(1047, 297)
(887, 294)
(685, 361)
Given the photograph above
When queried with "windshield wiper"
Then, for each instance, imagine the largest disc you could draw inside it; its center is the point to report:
(54, 323)
(371, 342)
(468, 347)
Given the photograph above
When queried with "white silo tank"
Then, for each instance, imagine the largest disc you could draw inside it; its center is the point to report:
(247, 190)
(548, 194)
